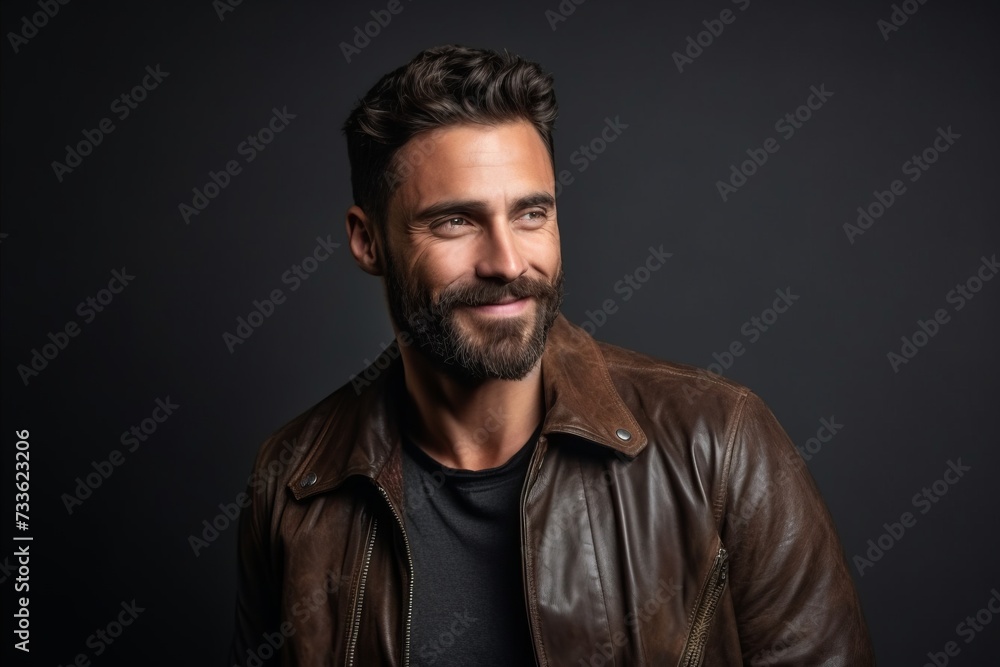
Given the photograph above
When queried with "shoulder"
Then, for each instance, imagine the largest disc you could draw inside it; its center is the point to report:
(347, 430)
(285, 448)
(671, 389)
(693, 418)
(702, 428)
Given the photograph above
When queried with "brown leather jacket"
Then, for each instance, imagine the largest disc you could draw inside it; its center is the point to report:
(666, 519)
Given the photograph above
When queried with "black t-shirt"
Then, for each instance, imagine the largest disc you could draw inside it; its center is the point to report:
(464, 533)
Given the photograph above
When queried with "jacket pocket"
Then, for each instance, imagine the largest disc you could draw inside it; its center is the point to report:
(694, 648)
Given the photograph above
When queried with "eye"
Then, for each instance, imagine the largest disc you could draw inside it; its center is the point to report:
(535, 216)
(451, 223)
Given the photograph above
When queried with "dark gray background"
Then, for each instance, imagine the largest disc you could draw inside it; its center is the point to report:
(656, 184)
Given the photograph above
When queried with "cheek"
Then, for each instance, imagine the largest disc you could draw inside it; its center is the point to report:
(438, 266)
(549, 256)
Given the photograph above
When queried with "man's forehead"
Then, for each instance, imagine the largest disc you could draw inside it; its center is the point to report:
(481, 162)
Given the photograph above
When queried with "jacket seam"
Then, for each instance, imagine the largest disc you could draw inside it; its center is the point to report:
(314, 449)
(697, 374)
(593, 534)
(534, 618)
(727, 461)
(606, 377)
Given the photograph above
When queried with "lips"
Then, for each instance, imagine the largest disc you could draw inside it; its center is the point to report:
(506, 306)
(502, 302)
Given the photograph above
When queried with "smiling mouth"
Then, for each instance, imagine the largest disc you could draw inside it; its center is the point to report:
(508, 305)
(503, 302)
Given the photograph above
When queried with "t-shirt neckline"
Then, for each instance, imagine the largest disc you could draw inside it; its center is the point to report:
(431, 465)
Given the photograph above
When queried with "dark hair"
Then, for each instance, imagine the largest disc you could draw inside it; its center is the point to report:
(442, 86)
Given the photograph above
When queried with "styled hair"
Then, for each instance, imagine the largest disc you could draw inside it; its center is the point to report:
(441, 86)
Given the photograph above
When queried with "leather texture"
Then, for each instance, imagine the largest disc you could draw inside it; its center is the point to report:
(696, 538)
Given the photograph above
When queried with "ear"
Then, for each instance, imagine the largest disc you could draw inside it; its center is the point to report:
(364, 241)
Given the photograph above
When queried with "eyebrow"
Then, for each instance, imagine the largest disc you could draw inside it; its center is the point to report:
(477, 206)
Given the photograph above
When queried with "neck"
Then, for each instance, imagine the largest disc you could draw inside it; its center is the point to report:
(472, 425)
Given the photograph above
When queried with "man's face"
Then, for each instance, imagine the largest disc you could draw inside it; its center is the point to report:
(474, 224)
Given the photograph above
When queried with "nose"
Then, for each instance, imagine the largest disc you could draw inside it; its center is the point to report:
(500, 254)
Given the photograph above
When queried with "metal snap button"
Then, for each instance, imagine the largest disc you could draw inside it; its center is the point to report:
(623, 434)
(308, 480)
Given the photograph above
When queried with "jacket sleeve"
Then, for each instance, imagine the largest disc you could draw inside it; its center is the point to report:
(258, 592)
(794, 599)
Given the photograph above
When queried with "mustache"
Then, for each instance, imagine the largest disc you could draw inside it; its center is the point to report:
(481, 293)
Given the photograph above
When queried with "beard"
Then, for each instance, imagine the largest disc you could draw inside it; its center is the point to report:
(497, 347)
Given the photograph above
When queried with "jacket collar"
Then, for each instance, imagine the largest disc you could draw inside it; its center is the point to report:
(359, 430)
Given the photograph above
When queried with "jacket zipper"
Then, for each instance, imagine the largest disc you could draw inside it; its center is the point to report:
(698, 637)
(533, 468)
(359, 600)
(409, 560)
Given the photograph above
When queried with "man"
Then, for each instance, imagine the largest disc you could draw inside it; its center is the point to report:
(499, 488)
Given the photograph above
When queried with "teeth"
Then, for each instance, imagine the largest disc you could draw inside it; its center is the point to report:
(501, 303)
